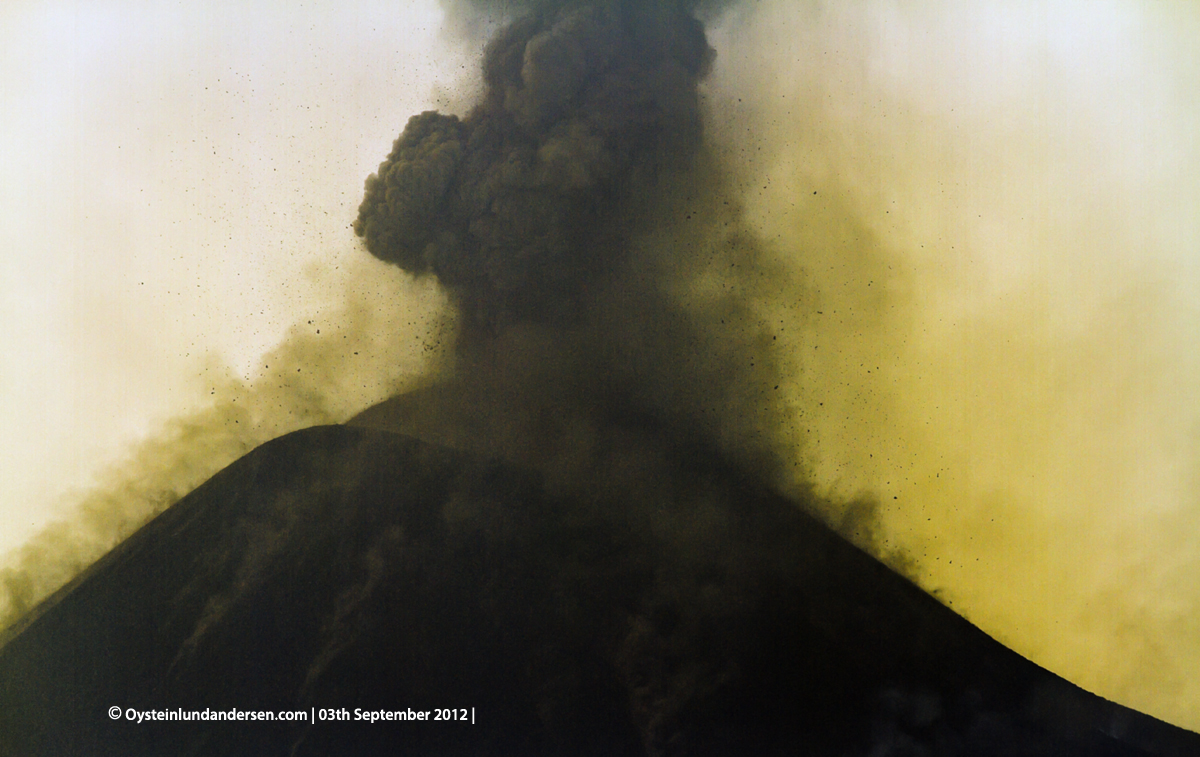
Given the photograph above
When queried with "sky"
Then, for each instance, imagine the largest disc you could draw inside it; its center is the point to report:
(993, 207)
(1004, 250)
(177, 186)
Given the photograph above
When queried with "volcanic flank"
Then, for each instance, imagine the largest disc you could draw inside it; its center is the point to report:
(342, 567)
(576, 531)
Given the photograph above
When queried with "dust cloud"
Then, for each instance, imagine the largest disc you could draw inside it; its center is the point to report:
(382, 334)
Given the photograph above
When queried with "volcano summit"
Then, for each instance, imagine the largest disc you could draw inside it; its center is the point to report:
(350, 568)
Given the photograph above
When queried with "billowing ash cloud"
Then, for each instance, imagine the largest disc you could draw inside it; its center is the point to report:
(587, 236)
(519, 206)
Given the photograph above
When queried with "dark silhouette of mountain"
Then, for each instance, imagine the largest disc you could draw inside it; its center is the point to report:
(350, 568)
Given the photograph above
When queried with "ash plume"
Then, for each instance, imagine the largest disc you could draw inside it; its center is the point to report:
(587, 236)
(518, 206)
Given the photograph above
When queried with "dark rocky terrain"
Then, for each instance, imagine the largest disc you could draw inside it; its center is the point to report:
(343, 567)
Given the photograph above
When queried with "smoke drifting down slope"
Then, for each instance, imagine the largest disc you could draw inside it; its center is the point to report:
(370, 345)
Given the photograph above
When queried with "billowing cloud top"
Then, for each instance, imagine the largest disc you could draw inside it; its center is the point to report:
(518, 205)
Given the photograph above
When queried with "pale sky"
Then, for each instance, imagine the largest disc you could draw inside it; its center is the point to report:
(169, 170)
(177, 181)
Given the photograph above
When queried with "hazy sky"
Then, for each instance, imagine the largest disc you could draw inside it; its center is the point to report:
(1005, 260)
(1012, 250)
(169, 170)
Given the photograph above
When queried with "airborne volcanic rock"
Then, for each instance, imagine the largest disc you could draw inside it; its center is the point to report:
(353, 568)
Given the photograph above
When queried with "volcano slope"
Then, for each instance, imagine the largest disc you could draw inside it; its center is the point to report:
(350, 568)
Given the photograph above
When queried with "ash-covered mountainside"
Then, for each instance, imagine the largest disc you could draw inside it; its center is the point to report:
(344, 567)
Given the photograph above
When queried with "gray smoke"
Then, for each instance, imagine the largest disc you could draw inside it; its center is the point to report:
(603, 272)
(521, 205)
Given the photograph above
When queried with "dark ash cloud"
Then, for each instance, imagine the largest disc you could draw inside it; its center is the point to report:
(517, 207)
(591, 242)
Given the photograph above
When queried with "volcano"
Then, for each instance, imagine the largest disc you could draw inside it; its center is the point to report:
(572, 540)
(347, 570)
